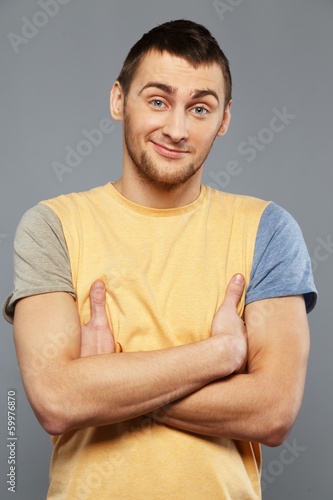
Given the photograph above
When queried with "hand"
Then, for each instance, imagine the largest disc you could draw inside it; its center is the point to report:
(228, 323)
(96, 335)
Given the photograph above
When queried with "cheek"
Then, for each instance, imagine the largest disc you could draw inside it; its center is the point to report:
(203, 140)
(145, 125)
(153, 122)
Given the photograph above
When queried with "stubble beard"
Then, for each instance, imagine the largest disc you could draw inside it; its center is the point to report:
(147, 170)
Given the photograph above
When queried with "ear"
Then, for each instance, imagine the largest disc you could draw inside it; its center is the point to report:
(226, 120)
(117, 102)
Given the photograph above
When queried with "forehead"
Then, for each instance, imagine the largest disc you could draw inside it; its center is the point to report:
(177, 72)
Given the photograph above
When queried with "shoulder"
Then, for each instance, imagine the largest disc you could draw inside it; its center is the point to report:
(241, 206)
(278, 231)
(276, 218)
(41, 261)
(235, 199)
(39, 232)
(281, 263)
(38, 219)
(76, 200)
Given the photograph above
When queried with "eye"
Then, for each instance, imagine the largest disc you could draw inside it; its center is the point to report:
(200, 110)
(157, 103)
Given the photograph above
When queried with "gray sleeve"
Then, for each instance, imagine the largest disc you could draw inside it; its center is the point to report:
(41, 260)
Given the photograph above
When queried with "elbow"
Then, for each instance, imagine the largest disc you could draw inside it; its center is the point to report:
(52, 416)
(53, 424)
(50, 399)
(277, 430)
(275, 437)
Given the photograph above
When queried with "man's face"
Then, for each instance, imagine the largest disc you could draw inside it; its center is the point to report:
(171, 116)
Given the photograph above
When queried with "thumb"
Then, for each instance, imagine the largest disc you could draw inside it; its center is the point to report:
(97, 303)
(234, 291)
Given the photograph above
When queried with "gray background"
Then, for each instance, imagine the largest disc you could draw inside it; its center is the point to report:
(57, 85)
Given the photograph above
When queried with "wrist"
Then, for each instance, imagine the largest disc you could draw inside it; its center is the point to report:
(229, 354)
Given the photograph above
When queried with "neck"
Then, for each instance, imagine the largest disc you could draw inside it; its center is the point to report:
(142, 193)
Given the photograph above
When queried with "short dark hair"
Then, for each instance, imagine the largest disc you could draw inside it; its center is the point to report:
(183, 38)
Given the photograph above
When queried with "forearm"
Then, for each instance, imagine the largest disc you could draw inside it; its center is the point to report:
(261, 405)
(67, 391)
(229, 408)
(104, 389)
(247, 407)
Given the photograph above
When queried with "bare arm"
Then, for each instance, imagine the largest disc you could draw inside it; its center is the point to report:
(260, 405)
(68, 392)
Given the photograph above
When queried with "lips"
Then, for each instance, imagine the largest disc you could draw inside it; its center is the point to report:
(169, 153)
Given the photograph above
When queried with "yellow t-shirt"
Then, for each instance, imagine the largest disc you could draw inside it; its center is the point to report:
(165, 272)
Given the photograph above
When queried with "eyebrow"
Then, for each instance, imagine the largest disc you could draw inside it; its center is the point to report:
(169, 89)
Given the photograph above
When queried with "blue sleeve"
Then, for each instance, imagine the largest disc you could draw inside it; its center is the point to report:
(281, 263)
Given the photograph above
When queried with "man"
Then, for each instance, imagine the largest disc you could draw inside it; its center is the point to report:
(191, 345)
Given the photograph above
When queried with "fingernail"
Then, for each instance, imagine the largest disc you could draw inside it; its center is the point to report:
(239, 279)
(98, 284)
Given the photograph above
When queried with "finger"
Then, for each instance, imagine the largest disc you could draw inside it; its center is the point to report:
(234, 291)
(97, 303)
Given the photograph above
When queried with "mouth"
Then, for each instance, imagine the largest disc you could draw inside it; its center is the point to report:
(168, 152)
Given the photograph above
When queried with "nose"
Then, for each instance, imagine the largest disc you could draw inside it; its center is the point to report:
(176, 125)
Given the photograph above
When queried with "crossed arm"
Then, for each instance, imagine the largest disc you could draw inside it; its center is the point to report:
(199, 387)
(262, 404)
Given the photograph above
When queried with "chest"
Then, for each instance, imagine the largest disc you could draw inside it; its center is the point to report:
(165, 279)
